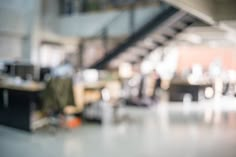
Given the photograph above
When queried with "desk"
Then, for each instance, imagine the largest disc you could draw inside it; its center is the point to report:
(87, 93)
(17, 103)
(91, 92)
(178, 88)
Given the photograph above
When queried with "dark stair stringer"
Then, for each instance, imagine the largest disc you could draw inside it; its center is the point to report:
(160, 30)
(149, 27)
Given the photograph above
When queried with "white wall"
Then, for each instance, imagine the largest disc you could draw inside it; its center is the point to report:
(14, 27)
(10, 47)
(12, 22)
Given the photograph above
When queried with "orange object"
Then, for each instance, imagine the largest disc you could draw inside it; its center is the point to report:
(73, 123)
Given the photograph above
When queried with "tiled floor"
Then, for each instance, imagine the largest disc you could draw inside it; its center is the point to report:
(207, 129)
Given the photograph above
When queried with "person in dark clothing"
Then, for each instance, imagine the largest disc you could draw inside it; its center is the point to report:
(157, 86)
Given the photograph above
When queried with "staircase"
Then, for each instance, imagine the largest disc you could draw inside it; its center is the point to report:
(157, 32)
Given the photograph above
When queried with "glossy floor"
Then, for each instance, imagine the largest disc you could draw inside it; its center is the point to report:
(206, 129)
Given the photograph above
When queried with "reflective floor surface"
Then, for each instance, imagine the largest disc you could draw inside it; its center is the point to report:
(206, 129)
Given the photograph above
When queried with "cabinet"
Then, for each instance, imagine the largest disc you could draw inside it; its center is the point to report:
(17, 106)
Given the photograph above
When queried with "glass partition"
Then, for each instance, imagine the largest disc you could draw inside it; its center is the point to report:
(68, 7)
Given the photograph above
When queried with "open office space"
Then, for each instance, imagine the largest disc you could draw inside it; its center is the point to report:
(111, 78)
